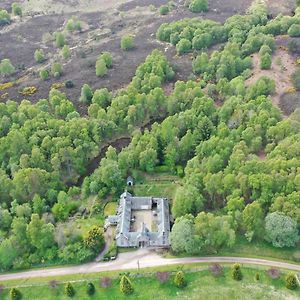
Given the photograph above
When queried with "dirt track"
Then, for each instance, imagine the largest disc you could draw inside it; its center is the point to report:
(145, 259)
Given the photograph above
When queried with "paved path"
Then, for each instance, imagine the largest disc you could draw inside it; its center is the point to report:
(145, 258)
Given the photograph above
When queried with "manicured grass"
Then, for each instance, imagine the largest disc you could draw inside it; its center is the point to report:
(260, 249)
(110, 208)
(201, 285)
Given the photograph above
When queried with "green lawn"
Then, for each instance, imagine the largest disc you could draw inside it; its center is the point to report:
(201, 285)
(110, 208)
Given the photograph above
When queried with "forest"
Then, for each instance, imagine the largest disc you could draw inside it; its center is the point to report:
(236, 154)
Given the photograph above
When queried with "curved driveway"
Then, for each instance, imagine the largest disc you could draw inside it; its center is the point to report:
(144, 258)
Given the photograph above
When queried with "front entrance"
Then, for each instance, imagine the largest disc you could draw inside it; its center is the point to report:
(143, 244)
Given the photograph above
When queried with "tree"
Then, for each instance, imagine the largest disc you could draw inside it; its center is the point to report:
(44, 74)
(94, 239)
(4, 17)
(253, 220)
(294, 30)
(295, 79)
(291, 281)
(6, 67)
(179, 280)
(90, 289)
(265, 61)
(59, 39)
(164, 10)
(16, 9)
(101, 68)
(198, 6)
(281, 230)
(40, 234)
(15, 294)
(182, 235)
(127, 42)
(65, 52)
(69, 290)
(236, 272)
(107, 57)
(86, 94)
(126, 286)
(183, 46)
(39, 55)
(56, 70)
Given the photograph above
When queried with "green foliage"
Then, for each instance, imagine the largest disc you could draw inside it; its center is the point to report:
(164, 10)
(39, 55)
(59, 39)
(56, 70)
(198, 5)
(126, 286)
(74, 24)
(294, 30)
(16, 9)
(179, 280)
(86, 94)
(4, 17)
(292, 46)
(183, 46)
(295, 79)
(94, 239)
(291, 281)
(236, 272)
(281, 230)
(90, 289)
(265, 61)
(65, 52)
(107, 57)
(101, 68)
(6, 67)
(127, 42)
(15, 294)
(69, 290)
(44, 74)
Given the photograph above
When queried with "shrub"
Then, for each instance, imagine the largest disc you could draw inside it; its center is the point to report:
(59, 39)
(90, 289)
(101, 68)
(265, 61)
(39, 55)
(15, 294)
(236, 272)
(65, 52)
(179, 280)
(198, 6)
(4, 17)
(107, 57)
(257, 277)
(265, 49)
(126, 286)
(162, 276)
(291, 281)
(56, 70)
(294, 30)
(44, 74)
(164, 10)
(215, 269)
(94, 239)
(86, 94)
(69, 84)
(28, 91)
(273, 273)
(127, 42)
(6, 67)
(6, 85)
(105, 282)
(16, 9)
(183, 46)
(69, 290)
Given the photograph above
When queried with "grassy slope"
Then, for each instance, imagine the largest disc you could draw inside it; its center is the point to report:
(201, 285)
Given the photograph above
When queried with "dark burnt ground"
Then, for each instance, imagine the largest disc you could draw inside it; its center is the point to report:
(102, 34)
(289, 102)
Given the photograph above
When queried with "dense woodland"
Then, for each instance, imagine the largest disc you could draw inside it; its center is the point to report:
(239, 158)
